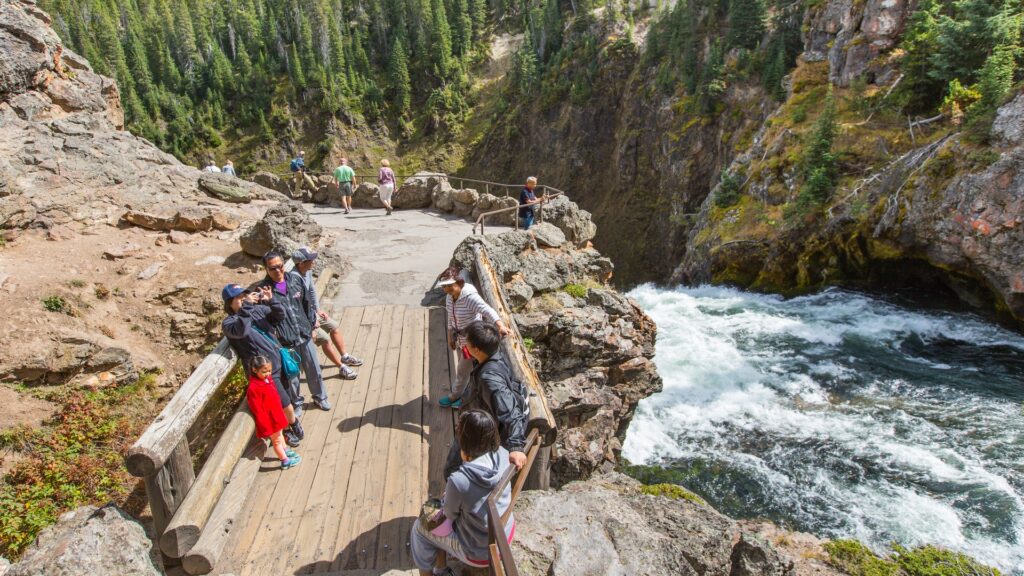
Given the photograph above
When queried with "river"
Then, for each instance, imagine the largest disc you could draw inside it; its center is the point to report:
(843, 415)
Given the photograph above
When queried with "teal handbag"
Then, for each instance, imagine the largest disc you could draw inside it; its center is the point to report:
(289, 358)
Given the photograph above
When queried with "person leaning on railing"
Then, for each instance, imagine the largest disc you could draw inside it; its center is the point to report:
(527, 200)
(463, 533)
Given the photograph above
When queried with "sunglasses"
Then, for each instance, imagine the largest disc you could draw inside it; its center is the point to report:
(278, 267)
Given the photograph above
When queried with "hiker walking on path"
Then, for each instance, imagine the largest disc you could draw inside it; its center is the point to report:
(463, 306)
(326, 331)
(265, 407)
(299, 176)
(249, 328)
(295, 329)
(527, 200)
(494, 389)
(346, 178)
(386, 180)
(464, 530)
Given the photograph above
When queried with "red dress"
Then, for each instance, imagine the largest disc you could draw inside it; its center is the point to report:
(265, 405)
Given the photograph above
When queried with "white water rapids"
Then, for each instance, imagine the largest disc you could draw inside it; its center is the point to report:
(842, 415)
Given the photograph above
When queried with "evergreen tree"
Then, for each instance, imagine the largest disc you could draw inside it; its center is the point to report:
(398, 79)
(775, 71)
(995, 83)
(440, 42)
(963, 41)
(819, 165)
(712, 84)
(922, 90)
(746, 23)
(525, 67)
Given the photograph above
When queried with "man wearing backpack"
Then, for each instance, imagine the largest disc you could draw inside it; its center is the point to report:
(295, 329)
(299, 175)
(492, 388)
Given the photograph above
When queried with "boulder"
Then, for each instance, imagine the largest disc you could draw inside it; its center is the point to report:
(273, 182)
(416, 192)
(466, 196)
(547, 235)
(162, 221)
(443, 197)
(533, 324)
(224, 187)
(607, 525)
(284, 227)
(193, 219)
(574, 222)
(518, 293)
(225, 221)
(365, 196)
(90, 540)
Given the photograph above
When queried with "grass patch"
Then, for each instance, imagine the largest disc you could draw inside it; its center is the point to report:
(673, 492)
(75, 459)
(856, 559)
(55, 304)
(76, 283)
(575, 290)
(529, 344)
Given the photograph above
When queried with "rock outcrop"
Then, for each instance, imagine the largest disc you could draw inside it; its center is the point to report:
(608, 525)
(592, 345)
(90, 540)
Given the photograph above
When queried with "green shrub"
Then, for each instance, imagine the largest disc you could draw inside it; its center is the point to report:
(856, 559)
(76, 283)
(529, 344)
(728, 191)
(575, 290)
(673, 492)
(55, 304)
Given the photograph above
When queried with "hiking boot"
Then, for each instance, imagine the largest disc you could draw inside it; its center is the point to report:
(350, 360)
(291, 438)
(291, 462)
(322, 404)
(347, 373)
(296, 427)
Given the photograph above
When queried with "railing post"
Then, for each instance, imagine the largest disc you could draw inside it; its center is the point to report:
(166, 489)
(539, 477)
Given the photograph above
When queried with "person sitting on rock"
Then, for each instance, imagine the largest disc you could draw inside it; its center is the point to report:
(494, 389)
(229, 168)
(527, 200)
(326, 330)
(295, 329)
(211, 166)
(265, 407)
(346, 178)
(249, 328)
(463, 305)
(299, 176)
(464, 532)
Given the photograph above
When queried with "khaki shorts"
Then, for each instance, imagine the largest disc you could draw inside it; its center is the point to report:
(323, 333)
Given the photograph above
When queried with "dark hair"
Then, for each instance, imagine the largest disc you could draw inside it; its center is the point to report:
(484, 336)
(478, 433)
(270, 255)
(257, 361)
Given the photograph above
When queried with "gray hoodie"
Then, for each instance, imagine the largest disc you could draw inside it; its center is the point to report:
(465, 500)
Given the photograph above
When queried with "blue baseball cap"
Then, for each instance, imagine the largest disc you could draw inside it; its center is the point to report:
(232, 291)
(304, 254)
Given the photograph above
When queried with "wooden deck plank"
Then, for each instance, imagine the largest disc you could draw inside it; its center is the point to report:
(404, 462)
(285, 509)
(355, 518)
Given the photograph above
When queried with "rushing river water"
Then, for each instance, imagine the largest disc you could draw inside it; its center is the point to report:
(842, 415)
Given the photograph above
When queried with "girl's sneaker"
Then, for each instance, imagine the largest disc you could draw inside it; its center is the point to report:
(291, 453)
(351, 360)
(291, 462)
(447, 402)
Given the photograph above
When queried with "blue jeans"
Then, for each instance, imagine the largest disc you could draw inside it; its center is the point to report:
(526, 220)
(311, 369)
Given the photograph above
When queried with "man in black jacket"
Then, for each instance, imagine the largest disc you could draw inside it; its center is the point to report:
(492, 388)
(295, 330)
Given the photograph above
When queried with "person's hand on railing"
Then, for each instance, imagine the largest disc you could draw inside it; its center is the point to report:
(517, 459)
(502, 329)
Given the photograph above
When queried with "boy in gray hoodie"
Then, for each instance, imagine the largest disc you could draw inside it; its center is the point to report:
(484, 462)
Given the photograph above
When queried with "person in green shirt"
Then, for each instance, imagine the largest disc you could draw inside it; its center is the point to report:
(346, 178)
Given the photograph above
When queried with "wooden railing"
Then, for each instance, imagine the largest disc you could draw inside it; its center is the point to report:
(191, 512)
(502, 562)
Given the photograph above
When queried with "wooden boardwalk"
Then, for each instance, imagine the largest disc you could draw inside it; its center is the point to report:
(367, 464)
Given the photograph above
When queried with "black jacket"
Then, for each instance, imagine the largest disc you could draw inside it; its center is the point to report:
(296, 328)
(493, 388)
(239, 328)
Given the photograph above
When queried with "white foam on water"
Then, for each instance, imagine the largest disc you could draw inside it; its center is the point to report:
(775, 389)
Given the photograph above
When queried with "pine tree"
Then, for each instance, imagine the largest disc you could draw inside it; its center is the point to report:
(525, 67)
(996, 80)
(398, 79)
(963, 41)
(921, 89)
(819, 165)
(440, 42)
(775, 71)
(712, 84)
(746, 23)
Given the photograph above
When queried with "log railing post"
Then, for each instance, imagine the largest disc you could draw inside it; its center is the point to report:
(167, 488)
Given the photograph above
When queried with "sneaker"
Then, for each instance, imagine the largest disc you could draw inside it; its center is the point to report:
(297, 429)
(389, 212)
(322, 404)
(350, 360)
(447, 402)
(347, 373)
(291, 462)
(291, 453)
(291, 438)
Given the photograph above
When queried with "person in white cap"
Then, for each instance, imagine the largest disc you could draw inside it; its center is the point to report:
(327, 330)
(463, 305)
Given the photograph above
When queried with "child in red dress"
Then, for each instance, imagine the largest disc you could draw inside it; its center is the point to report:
(265, 406)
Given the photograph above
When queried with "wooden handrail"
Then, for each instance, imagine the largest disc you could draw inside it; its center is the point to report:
(501, 553)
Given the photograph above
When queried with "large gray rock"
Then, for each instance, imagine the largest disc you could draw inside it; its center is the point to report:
(607, 526)
(224, 187)
(574, 222)
(273, 182)
(284, 227)
(1008, 128)
(417, 191)
(547, 235)
(90, 540)
(365, 196)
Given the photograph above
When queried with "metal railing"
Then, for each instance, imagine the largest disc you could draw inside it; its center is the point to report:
(502, 563)
(544, 199)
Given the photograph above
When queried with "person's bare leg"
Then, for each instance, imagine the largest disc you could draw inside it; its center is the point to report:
(289, 413)
(331, 353)
(339, 341)
(426, 573)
